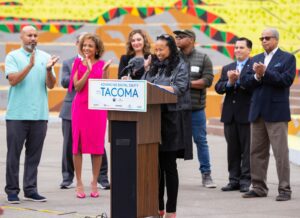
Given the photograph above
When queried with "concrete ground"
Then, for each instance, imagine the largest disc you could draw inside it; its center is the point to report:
(193, 201)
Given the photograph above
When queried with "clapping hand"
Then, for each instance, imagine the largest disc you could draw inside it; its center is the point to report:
(233, 76)
(147, 62)
(259, 69)
(105, 68)
(51, 62)
(32, 59)
(107, 64)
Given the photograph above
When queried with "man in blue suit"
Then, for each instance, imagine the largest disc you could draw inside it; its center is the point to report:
(235, 113)
(270, 79)
(65, 114)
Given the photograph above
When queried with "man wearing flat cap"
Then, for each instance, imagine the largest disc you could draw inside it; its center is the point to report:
(201, 74)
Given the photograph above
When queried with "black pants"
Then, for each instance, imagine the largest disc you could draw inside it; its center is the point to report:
(168, 177)
(33, 134)
(238, 153)
(67, 155)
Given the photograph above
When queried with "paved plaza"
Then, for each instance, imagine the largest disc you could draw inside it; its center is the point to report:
(194, 201)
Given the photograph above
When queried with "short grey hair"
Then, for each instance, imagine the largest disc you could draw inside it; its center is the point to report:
(274, 32)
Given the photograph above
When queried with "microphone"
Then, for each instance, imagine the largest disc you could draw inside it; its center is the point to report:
(135, 63)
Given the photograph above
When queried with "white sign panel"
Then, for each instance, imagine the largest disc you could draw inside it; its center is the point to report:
(120, 95)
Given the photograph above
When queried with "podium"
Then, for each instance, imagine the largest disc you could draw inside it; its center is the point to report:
(134, 138)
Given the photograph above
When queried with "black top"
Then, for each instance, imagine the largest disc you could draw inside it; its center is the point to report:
(124, 62)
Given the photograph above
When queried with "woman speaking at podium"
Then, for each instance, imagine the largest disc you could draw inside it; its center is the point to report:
(168, 71)
(132, 64)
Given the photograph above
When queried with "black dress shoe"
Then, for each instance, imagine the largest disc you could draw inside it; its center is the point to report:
(252, 194)
(230, 187)
(244, 188)
(283, 197)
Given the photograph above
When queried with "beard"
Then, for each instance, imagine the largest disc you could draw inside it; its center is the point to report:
(30, 47)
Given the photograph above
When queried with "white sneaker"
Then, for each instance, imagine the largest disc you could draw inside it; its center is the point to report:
(67, 185)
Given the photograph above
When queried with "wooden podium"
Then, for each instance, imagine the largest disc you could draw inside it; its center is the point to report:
(134, 138)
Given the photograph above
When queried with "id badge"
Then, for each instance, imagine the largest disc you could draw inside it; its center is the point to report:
(195, 69)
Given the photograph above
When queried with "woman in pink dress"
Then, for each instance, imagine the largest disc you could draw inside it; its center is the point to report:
(88, 126)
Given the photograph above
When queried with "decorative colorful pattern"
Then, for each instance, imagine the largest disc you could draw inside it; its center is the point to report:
(189, 3)
(142, 12)
(41, 21)
(53, 28)
(10, 3)
(216, 34)
(227, 50)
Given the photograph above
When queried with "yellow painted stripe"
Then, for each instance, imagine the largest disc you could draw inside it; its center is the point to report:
(294, 142)
(295, 116)
(51, 211)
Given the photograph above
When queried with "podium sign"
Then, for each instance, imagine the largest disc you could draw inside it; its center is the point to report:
(119, 95)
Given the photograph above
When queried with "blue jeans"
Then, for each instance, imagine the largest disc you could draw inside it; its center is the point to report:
(199, 136)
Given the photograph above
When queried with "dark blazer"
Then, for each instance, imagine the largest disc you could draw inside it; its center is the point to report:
(270, 99)
(65, 112)
(237, 99)
(180, 81)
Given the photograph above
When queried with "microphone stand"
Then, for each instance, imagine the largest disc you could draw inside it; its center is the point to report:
(129, 73)
(129, 68)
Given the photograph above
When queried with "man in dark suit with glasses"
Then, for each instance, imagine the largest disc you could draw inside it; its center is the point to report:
(270, 79)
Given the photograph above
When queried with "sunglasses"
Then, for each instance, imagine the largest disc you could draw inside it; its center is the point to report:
(267, 38)
(163, 36)
(181, 36)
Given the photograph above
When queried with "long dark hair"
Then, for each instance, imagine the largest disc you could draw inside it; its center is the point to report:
(129, 48)
(170, 62)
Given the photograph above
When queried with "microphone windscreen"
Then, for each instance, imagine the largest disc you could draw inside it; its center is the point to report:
(137, 62)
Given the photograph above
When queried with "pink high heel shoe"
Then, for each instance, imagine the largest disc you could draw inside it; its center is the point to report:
(79, 192)
(161, 213)
(94, 193)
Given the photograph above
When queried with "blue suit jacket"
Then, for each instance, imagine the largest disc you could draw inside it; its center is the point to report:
(65, 112)
(237, 99)
(270, 98)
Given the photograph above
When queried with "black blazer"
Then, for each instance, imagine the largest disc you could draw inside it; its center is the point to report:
(237, 98)
(270, 99)
(65, 112)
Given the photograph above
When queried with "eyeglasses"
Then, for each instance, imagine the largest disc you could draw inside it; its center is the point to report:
(267, 38)
(180, 36)
(163, 36)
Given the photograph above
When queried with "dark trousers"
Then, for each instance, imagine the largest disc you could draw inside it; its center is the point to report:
(238, 153)
(33, 134)
(168, 177)
(67, 156)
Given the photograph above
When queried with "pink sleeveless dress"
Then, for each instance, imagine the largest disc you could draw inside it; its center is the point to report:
(88, 126)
